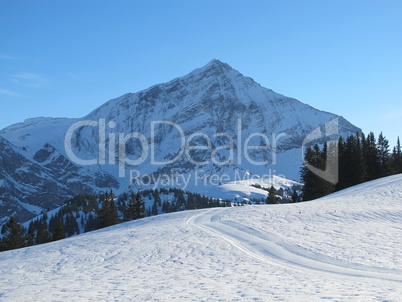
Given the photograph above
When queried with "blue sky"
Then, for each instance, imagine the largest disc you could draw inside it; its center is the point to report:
(65, 58)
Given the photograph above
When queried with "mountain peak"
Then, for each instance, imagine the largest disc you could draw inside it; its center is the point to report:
(216, 63)
(214, 67)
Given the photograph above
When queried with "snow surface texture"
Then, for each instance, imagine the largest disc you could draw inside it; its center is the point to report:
(344, 247)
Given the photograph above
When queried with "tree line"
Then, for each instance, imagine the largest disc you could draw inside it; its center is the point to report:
(359, 159)
(88, 212)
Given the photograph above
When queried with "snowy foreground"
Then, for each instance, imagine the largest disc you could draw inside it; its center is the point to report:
(344, 247)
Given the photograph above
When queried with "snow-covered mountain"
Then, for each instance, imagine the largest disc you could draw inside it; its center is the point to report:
(213, 131)
(343, 247)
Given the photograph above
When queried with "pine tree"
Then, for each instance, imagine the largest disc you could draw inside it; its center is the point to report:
(108, 214)
(383, 156)
(295, 196)
(354, 160)
(327, 161)
(342, 164)
(59, 232)
(314, 185)
(157, 198)
(308, 178)
(31, 234)
(14, 235)
(43, 235)
(190, 204)
(91, 224)
(271, 198)
(312, 188)
(154, 209)
(130, 209)
(371, 157)
(135, 207)
(139, 206)
(397, 158)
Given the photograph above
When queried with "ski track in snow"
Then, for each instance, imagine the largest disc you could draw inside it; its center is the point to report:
(259, 246)
(344, 247)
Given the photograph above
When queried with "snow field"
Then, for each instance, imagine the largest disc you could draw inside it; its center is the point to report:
(344, 247)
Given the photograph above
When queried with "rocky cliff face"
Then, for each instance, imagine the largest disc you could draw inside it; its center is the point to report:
(211, 122)
(28, 186)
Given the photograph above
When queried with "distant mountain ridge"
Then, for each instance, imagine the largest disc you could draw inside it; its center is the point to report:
(214, 107)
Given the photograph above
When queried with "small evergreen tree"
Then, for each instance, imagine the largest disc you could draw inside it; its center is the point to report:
(14, 235)
(354, 165)
(31, 234)
(108, 214)
(314, 187)
(43, 235)
(135, 207)
(130, 209)
(154, 209)
(371, 157)
(91, 223)
(139, 206)
(59, 232)
(295, 196)
(271, 198)
(383, 155)
(397, 158)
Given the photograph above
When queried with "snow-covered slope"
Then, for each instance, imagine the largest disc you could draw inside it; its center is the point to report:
(344, 247)
(214, 107)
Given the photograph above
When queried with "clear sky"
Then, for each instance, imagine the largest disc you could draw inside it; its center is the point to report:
(65, 58)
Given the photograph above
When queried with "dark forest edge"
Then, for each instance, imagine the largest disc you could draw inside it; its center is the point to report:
(359, 159)
(86, 212)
